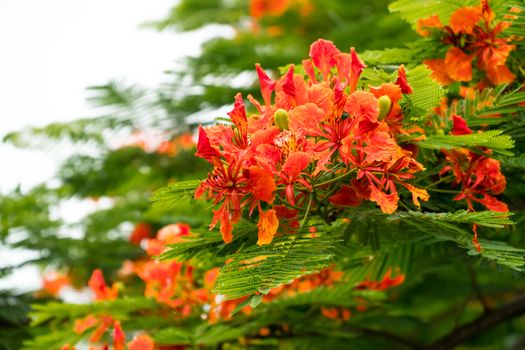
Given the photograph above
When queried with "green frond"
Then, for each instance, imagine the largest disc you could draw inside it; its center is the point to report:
(374, 77)
(58, 312)
(60, 318)
(168, 196)
(427, 92)
(412, 10)
(174, 335)
(517, 20)
(287, 258)
(492, 139)
(498, 252)
(389, 56)
(514, 163)
(490, 106)
(481, 218)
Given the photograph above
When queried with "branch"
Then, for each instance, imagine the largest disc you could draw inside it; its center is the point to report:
(487, 320)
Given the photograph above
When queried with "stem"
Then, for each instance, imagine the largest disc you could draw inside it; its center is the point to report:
(441, 191)
(336, 178)
(450, 177)
(305, 219)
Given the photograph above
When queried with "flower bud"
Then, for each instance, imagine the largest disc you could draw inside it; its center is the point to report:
(385, 103)
(280, 117)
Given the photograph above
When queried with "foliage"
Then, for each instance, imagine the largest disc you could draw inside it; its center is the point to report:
(344, 264)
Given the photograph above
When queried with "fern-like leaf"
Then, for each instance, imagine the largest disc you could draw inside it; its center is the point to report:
(481, 218)
(492, 139)
(264, 267)
(166, 197)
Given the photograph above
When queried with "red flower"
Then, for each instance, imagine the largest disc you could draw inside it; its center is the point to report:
(472, 35)
(119, 337)
(141, 342)
(99, 287)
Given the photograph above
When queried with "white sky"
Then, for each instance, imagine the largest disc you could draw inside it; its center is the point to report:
(50, 51)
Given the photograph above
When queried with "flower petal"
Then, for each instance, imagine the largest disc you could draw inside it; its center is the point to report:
(267, 225)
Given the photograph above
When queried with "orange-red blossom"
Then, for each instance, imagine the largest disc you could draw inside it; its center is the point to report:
(473, 37)
(309, 128)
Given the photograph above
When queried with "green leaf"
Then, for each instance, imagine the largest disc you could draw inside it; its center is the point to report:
(287, 258)
(481, 218)
(492, 139)
(427, 93)
(166, 197)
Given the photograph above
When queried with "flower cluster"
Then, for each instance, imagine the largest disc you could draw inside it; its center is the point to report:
(479, 176)
(474, 38)
(316, 143)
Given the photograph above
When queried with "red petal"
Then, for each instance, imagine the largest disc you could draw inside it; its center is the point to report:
(458, 64)
(323, 53)
(424, 26)
(81, 325)
(465, 19)
(387, 202)
(238, 114)
(499, 75)
(267, 225)
(295, 164)
(309, 69)
(391, 90)
(267, 85)
(494, 204)
(141, 342)
(305, 119)
(288, 85)
(346, 197)
(363, 106)
(357, 68)
(262, 184)
(460, 126)
(417, 194)
(118, 337)
(402, 80)
(438, 67)
(204, 148)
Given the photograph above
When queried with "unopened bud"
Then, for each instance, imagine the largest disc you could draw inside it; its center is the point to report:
(385, 103)
(440, 132)
(280, 117)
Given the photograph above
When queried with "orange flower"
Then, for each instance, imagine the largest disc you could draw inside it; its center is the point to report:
(141, 342)
(119, 337)
(471, 34)
(425, 26)
(81, 325)
(267, 225)
(480, 177)
(173, 233)
(141, 231)
(464, 19)
(99, 287)
(458, 65)
(386, 283)
(261, 8)
(54, 281)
